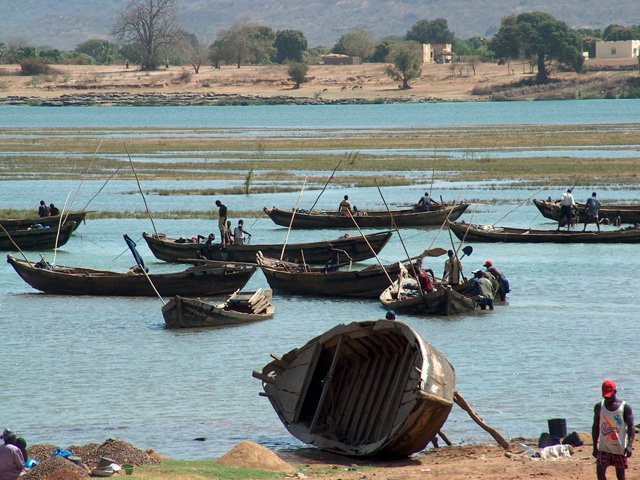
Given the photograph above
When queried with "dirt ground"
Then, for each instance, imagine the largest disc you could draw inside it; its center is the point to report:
(443, 82)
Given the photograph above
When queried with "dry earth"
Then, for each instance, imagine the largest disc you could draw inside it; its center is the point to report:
(451, 82)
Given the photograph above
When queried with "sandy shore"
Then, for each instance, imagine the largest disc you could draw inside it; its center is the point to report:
(367, 82)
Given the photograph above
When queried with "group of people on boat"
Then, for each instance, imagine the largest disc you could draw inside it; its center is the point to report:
(568, 206)
(45, 210)
(229, 235)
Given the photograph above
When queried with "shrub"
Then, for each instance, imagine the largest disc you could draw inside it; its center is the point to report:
(34, 66)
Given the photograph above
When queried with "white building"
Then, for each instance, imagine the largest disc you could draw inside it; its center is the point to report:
(618, 49)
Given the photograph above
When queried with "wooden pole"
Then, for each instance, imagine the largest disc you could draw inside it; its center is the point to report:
(16, 245)
(84, 176)
(140, 188)
(446, 216)
(459, 399)
(60, 223)
(433, 173)
(325, 185)
(519, 205)
(103, 185)
(372, 250)
(293, 216)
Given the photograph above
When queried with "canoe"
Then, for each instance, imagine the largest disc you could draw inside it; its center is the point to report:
(444, 300)
(241, 307)
(372, 388)
(173, 250)
(370, 219)
(207, 280)
(300, 279)
(11, 224)
(488, 233)
(36, 238)
(626, 213)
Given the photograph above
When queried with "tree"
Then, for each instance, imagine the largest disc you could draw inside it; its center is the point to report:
(621, 33)
(298, 73)
(406, 64)
(150, 23)
(430, 31)
(194, 50)
(246, 43)
(539, 35)
(357, 43)
(104, 52)
(290, 45)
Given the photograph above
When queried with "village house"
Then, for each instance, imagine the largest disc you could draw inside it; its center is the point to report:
(618, 49)
(437, 53)
(336, 59)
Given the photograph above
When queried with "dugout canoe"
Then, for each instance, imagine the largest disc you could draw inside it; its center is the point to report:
(626, 213)
(196, 281)
(444, 300)
(366, 219)
(488, 233)
(173, 250)
(241, 307)
(11, 224)
(301, 279)
(36, 238)
(371, 388)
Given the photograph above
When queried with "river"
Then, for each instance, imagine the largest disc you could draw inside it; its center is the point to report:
(79, 370)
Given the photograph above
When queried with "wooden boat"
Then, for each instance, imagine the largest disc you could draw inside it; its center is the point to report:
(411, 217)
(444, 300)
(36, 238)
(626, 213)
(362, 389)
(173, 250)
(300, 279)
(11, 224)
(206, 280)
(488, 233)
(241, 307)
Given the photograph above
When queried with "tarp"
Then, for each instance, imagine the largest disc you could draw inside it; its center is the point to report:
(132, 246)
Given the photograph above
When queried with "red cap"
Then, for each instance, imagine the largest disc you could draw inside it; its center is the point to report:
(608, 388)
(488, 263)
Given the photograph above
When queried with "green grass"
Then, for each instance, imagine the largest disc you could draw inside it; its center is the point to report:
(200, 469)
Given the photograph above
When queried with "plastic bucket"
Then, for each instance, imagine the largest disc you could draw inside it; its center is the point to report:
(128, 469)
(558, 427)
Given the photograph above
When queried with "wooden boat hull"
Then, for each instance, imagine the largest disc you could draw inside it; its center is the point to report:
(11, 224)
(442, 301)
(192, 313)
(485, 233)
(626, 213)
(193, 282)
(362, 389)
(366, 283)
(372, 219)
(169, 250)
(36, 238)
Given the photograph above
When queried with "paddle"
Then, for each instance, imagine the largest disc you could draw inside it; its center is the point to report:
(468, 250)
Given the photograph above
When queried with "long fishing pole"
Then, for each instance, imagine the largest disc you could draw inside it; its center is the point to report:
(292, 217)
(16, 245)
(446, 216)
(55, 250)
(83, 178)
(433, 173)
(518, 206)
(140, 188)
(103, 185)
(326, 183)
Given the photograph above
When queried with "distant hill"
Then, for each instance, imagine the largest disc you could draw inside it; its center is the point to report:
(65, 23)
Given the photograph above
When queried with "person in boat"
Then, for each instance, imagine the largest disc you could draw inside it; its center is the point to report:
(239, 232)
(333, 264)
(345, 205)
(391, 315)
(567, 204)
(43, 210)
(592, 210)
(452, 269)
(426, 202)
(503, 283)
(484, 290)
(425, 282)
(222, 219)
(227, 236)
(11, 458)
(53, 210)
(613, 432)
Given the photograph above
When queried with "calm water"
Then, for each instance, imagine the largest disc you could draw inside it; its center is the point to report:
(80, 370)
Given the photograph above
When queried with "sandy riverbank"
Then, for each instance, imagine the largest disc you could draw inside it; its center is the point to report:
(326, 83)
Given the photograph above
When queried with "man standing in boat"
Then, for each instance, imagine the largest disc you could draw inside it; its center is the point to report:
(484, 290)
(567, 204)
(345, 205)
(239, 233)
(613, 432)
(426, 202)
(222, 219)
(592, 211)
(452, 269)
(334, 258)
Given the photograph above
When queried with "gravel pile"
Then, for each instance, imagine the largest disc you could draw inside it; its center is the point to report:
(58, 468)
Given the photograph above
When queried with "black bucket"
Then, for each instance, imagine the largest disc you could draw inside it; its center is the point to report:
(558, 427)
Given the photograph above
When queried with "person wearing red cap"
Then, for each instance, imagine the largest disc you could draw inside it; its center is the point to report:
(503, 283)
(613, 432)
